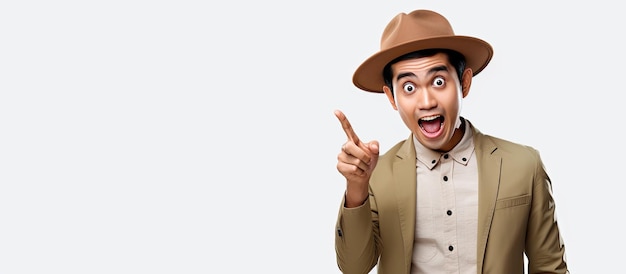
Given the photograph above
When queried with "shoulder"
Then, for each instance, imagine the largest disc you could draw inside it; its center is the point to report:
(509, 147)
(513, 154)
(401, 152)
(502, 146)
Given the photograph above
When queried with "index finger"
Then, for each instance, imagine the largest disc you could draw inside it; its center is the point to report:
(347, 127)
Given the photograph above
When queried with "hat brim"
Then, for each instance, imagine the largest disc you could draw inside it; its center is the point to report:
(369, 75)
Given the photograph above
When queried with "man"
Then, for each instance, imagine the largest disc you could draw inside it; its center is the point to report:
(448, 199)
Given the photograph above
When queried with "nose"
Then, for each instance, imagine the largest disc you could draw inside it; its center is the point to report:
(425, 99)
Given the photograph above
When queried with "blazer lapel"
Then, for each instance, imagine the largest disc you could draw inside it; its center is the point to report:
(489, 169)
(404, 181)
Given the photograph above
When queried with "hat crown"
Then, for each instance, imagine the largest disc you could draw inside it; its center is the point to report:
(417, 25)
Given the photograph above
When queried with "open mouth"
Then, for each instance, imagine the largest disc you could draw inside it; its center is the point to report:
(431, 124)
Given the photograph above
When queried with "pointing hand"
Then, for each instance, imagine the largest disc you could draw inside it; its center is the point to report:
(356, 162)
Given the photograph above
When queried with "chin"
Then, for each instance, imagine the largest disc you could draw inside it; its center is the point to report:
(436, 143)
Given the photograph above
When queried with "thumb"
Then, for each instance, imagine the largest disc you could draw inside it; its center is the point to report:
(374, 147)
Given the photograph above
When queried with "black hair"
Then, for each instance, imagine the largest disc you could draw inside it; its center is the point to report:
(454, 57)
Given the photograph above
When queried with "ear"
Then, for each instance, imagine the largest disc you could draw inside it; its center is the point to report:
(390, 97)
(466, 82)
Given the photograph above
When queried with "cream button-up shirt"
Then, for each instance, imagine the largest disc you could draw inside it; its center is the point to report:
(447, 209)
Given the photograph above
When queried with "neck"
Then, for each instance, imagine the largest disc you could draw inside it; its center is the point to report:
(456, 138)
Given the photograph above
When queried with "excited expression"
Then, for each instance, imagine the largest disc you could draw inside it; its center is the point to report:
(427, 94)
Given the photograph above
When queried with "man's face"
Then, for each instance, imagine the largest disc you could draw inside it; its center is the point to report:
(428, 98)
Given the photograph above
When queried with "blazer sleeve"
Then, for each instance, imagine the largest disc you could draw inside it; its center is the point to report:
(357, 241)
(544, 245)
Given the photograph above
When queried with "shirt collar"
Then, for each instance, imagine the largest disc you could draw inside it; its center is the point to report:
(461, 153)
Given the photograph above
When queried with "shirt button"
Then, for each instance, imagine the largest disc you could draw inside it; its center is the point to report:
(449, 212)
(445, 178)
(434, 161)
(464, 159)
(450, 248)
(445, 156)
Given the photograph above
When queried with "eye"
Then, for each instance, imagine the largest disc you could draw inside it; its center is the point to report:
(408, 87)
(439, 81)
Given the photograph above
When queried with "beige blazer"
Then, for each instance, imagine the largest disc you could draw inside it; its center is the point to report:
(515, 214)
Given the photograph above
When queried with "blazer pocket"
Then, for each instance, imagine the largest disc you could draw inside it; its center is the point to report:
(514, 201)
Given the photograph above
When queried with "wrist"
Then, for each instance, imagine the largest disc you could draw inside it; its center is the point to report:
(355, 197)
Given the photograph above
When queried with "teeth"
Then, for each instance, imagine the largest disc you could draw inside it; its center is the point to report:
(430, 118)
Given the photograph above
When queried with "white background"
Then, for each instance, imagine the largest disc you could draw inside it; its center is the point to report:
(199, 137)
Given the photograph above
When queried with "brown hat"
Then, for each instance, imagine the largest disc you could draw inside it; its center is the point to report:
(418, 30)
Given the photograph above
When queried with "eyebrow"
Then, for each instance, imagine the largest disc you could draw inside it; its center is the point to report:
(430, 71)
